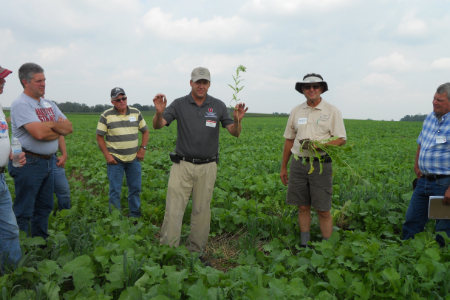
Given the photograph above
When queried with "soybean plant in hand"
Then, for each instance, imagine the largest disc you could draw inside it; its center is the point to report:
(313, 147)
(334, 152)
(236, 87)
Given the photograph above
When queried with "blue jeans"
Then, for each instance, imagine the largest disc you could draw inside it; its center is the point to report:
(417, 213)
(34, 194)
(62, 189)
(9, 231)
(133, 175)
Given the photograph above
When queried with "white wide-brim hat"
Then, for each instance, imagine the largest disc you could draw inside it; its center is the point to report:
(309, 79)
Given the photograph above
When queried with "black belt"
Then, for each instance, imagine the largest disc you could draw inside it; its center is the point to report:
(2, 170)
(198, 161)
(325, 158)
(37, 155)
(431, 177)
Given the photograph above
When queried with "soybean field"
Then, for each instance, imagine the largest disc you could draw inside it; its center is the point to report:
(254, 241)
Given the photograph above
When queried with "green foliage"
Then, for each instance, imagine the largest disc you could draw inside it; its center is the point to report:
(94, 254)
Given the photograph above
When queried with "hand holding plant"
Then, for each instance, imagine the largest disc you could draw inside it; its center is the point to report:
(239, 108)
(239, 112)
(332, 151)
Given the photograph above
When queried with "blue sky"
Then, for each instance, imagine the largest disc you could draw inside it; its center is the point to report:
(382, 59)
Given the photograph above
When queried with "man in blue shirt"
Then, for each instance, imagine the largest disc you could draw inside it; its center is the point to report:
(432, 167)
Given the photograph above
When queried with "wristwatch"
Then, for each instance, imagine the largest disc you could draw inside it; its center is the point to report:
(144, 147)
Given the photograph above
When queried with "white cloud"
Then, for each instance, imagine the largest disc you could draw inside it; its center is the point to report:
(394, 62)
(441, 64)
(6, 36)
(129, 74)
(379, 79)
(51, 54)
(289, 7)
(196, 30)
(411, 26)
(217, 63)
(152, 46)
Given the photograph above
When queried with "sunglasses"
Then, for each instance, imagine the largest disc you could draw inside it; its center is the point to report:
(309, 86)
(121, 99)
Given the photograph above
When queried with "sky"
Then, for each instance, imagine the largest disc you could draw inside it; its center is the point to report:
(382, 59)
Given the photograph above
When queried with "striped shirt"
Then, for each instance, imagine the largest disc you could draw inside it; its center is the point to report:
(434, 141)
(122, 132)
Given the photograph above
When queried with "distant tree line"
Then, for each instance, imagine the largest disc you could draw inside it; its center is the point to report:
(77, 107)
(418, 117)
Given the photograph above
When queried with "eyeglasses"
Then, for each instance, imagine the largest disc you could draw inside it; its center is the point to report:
(121, 99)
(308, 86)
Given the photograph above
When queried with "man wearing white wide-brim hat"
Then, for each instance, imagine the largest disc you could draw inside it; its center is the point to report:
(314, 120)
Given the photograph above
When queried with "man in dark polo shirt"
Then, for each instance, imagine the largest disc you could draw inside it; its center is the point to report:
(194, 169)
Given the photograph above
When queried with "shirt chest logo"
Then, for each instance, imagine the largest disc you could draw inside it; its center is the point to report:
(210, 113)
(3, 126)
(45, 114)
(324, 118)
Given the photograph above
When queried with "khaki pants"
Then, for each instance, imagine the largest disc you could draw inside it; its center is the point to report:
(186, 178)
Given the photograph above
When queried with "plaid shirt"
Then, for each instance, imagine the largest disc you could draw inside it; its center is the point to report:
(434, 158)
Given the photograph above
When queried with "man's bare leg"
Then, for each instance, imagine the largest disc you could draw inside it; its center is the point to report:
(325, 223)
(304, 221)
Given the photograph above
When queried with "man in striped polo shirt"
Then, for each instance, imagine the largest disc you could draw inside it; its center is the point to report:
(121, 125)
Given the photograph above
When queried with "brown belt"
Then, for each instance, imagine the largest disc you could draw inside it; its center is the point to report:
(38, 155)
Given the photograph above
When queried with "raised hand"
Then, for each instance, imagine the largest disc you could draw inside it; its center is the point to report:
(239, 111)
(160, 102)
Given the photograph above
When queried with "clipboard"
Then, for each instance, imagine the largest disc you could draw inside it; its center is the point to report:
(437, 209)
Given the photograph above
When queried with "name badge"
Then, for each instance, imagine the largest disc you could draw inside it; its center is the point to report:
(46, 104)
(441, 139)
(210, 123)
(132, 119)
(302, 121)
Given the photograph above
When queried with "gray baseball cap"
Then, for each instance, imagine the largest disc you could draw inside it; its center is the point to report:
(116, 92)
(200, 73)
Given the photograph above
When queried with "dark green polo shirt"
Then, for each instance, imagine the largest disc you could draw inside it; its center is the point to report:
(197, 126)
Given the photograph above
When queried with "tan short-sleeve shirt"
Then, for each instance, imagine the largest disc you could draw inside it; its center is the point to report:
(319, 123)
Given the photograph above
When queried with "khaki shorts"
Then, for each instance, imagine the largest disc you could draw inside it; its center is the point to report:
(310, 190)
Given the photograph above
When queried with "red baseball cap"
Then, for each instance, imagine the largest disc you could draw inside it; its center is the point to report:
(4, 72)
